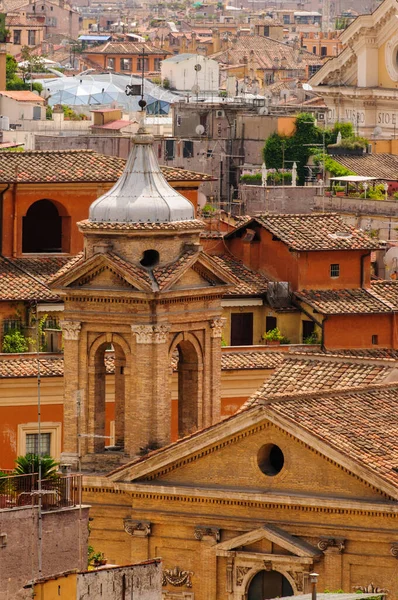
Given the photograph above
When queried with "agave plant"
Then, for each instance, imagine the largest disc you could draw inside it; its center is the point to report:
(30, 464)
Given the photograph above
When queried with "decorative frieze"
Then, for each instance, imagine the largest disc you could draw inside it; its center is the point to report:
(137, 528)
(394, 549)
(177, 577)
(298, 578)
(201, 531)
(151, 334)
(326, 542)
(216, 326)
(371, 588)
(241, 572)
(71, 329)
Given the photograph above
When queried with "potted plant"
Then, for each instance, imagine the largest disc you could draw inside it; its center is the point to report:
(339, 190)
(273, 337)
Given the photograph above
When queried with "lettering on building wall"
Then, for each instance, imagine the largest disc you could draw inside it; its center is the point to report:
(387, 118)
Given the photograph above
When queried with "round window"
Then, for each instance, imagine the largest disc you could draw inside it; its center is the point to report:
(150, 259)
(270, 459)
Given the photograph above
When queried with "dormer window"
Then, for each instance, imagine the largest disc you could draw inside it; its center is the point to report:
(334, 270)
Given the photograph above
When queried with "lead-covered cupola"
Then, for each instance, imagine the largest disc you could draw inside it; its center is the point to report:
(142, 194)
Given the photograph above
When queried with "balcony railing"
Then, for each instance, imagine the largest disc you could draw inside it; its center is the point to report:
(23, 490)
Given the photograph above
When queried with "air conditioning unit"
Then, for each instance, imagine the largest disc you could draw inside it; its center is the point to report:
(320, 116)
(220, 114)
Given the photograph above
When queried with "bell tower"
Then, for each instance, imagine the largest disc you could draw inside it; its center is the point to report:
(142, 297)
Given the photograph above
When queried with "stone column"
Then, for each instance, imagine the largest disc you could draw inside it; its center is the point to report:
(333, 549)
(72, 397)
(216, 327)
(161, 381)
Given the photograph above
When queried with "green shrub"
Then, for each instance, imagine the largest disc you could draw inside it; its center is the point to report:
(15, 342)
(30, 464)
(273, 335)
(312, 339)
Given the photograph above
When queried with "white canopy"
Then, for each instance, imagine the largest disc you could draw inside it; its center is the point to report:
(353, 178)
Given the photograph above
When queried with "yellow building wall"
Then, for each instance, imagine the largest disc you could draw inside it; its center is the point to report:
(288, 323)
(384, 78)
(62, 587)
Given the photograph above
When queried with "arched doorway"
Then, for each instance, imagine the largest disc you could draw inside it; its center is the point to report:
(97, 418)
(42, 228)
(186, 416)
(269, 584)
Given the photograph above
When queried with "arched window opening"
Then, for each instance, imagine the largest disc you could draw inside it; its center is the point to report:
(42, 228)
(269, 584)
(100, 417)
(185, 416)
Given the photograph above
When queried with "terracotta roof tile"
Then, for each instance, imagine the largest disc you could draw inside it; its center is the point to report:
(316, 231)
(266, 53)
(170, 226)
(126, 48)
(353, 422)
(23, 96)
(381, 166)
(320, 373)
(53, 365)
(41, 267)
(387, 292)
(335, 302)
(17, 284)
(74, 166)
(164, 274)
(247, 282)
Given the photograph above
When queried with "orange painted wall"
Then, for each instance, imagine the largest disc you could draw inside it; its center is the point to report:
(355, 331)
(11, 417)
(304, 270)
(73, 202)
(102, 60)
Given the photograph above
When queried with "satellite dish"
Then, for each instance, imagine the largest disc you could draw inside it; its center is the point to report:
(263, 110)
(377, 131)
(195, 89)
(198, 67)
(307, 87)
(391, 259)
(200, 129)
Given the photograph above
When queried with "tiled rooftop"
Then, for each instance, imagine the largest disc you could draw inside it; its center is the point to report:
(297, 374)
(387, 292)
(74, 166)
(266, 53)
(17, 284)
(247, 282)
(361, 424)
(335, 302)
(126, 48)
(53, 365)
(326, 231)
(381, 166)
(41, 267)
(170, 225)
(23, 96)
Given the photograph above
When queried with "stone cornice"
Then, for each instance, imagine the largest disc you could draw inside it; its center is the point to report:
(233, 497)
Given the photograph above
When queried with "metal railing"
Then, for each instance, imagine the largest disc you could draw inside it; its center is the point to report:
(23, 490)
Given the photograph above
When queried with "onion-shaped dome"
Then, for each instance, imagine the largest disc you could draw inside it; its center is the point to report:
(142, 194)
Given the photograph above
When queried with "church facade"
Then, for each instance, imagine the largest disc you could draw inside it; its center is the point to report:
(245, 508)
(360, 85)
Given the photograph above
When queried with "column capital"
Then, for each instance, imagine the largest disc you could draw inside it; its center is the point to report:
(394, 549)
(335, 543)
(71, 329)
(151, 334)
(137, 528)
(203, 531)
(216, 326)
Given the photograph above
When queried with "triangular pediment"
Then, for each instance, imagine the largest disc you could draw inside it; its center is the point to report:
(194, 271)
(103, 271)
(277, 536)
(232, 452)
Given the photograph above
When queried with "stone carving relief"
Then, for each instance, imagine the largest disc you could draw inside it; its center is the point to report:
(371, 588)
(148, 334)
(241, 572)
(177, 577)
(137, 528)
(71, 329)
(202, 531)
(298, 578)
(216, 327)
(325, 543)
(391, 57)
(394, 549)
